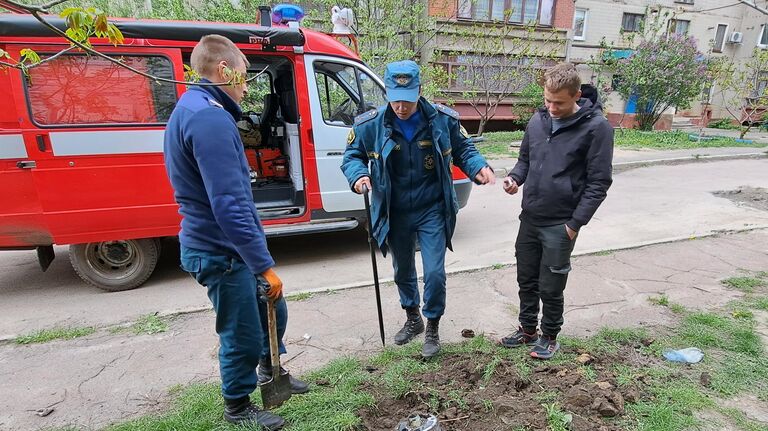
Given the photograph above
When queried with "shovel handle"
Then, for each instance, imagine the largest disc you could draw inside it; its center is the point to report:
(273, 348)
(372, 247)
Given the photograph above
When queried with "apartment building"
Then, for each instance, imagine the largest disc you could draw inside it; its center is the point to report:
(732, 28)
(551, 21)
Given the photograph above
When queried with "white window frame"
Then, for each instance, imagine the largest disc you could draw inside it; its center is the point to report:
(584, 30)
(725, 38)
(763, 29)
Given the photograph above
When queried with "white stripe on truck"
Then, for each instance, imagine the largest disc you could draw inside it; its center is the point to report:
(12, 147)
(107, 142)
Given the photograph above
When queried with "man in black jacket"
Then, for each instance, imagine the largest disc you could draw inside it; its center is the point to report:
(565, 164)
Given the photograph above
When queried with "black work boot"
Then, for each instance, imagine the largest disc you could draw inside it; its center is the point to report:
(241, 411)
(265, 374)
(431, 339)
(413, 326)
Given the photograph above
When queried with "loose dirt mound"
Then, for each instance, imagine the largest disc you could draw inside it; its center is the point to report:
(514, 396)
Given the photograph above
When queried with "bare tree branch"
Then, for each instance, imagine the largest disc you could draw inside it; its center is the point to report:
(35, 11)
(51, 58)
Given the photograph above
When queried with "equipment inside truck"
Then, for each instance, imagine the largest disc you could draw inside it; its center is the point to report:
(270, 133)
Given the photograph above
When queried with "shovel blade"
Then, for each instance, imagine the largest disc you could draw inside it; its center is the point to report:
(276, 391)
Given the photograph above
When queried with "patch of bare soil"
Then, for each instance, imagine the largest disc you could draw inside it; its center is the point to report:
(754, 197)
(510, 400)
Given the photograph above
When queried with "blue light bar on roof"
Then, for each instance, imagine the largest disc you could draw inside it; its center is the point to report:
(284, 13)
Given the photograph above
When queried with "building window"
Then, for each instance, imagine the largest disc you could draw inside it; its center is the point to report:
(719, 41)
(632, 22)
(679, 26)
(579, 24)
(761, 85)
(762, 41)
(78, 89)
(465, 9)
(707, 92)
(518, 11)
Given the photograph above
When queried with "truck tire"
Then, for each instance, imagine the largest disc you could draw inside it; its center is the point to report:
(115, 265)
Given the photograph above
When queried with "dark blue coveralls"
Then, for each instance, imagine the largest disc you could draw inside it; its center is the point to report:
(412, 190)
(223, 245)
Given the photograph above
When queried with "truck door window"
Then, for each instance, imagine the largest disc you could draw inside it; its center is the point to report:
(338, 100)
(346, 91)
(257, 89)
(78, 90)
(373, 94)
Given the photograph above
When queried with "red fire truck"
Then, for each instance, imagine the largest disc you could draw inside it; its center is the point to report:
(81, 140)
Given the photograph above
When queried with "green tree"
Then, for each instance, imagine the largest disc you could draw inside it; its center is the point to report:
(387, 30)
(664, 69)
(500, 60)
(742, 89)
(530, 98)
(661, 73)
(83, 24)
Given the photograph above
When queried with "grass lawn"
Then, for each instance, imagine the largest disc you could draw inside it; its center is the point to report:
(614, 380)
(46, 335)
(496, 144)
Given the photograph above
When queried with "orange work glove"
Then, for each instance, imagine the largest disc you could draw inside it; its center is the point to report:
(275, 284)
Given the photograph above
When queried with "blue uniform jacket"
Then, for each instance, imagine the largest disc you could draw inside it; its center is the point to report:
(208, 171)
(370, 143)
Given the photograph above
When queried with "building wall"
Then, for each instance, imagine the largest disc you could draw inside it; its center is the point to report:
(445, 40)
(604, 20)
(563, 14)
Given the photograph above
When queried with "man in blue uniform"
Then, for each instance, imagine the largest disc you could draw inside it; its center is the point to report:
(222, 241)
(411, 145)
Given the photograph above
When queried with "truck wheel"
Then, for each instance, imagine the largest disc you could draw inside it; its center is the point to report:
(115, 265)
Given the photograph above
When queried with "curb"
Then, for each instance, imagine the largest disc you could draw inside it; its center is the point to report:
(7, 339)
(506, 264)
(625, 166)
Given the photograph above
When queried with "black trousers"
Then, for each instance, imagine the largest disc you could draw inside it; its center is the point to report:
(543, 261)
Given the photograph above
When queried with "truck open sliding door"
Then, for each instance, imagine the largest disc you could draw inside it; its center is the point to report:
(97, 145)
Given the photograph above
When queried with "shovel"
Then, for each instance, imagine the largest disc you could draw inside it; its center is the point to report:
(278, 389)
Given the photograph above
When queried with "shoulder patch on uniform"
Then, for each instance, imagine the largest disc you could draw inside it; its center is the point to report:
(446, 110)
(351, 137)
(215, 103)
(367, 116)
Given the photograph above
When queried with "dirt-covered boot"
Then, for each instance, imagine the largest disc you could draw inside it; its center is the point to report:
(241, 411)
(413, 326)
(431, 339)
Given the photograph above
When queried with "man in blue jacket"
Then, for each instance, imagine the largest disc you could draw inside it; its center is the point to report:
(411, 145)
(565, 164)
(222, 241)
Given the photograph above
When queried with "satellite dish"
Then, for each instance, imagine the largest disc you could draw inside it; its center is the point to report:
(342, 20)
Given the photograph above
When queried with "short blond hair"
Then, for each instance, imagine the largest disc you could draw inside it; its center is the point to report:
(562, 76)
(213, 49)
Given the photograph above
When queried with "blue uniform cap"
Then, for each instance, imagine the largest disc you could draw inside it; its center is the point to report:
(402, 82)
